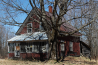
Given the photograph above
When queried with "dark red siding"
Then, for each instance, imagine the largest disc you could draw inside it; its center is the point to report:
(34, 24)
(30, 55)
(24, 30)
(11, 55)
(66, 47)
(34, 28)
(76, 48)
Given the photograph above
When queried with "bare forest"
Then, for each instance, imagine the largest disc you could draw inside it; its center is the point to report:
(5, 34)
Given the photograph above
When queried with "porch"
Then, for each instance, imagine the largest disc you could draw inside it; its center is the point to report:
(27, 45)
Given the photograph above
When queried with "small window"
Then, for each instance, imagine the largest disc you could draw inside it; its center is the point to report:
(43, 47)
(62, 47)
(39, 47)
(28, 47)
(40, 26)
(29, 28)
(11, 47)
(71, 46)
(29, 25)
(36, 48)
(23, 48)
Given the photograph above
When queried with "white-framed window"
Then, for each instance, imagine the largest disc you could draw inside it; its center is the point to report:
(11, 47)
(71, 46)
(43, 47)
(29, 28)
(40, 26)
(39, 47)
(35, 47)
(62, 47)
(28, 47)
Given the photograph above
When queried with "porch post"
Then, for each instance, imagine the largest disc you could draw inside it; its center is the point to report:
(8, 50)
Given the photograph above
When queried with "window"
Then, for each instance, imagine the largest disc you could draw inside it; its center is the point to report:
(11, 47)
(40, 26)
(39, 47)
(23, 48)
(71, 46)
(28, 47)
(29, 28)
(62, 47)
(17, 46)
(36, 48)
(43, 47)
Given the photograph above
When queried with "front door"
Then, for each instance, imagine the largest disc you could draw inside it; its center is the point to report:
(17, 50)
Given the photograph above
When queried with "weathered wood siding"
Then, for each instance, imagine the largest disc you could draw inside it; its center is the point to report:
(85, 51)
(35, 25)
(76, 45)
(30, 55)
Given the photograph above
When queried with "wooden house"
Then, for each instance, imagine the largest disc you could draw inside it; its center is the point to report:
(29, 42)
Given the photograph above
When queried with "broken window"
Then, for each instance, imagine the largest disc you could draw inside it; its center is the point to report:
(43, 47)
(28, 47)
(29, 28)
(39, 47)
(35, 47)
(11, 47)
(71, 46)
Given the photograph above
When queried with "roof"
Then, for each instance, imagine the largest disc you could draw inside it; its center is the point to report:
(66, 27)
(29, 37)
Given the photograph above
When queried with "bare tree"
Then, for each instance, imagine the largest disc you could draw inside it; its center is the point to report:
(5, 34)
(89, 33)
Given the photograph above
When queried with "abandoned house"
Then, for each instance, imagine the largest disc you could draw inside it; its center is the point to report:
(31, 43)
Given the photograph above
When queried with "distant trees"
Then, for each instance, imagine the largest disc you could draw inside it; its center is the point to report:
(89, 33)
(5, 34)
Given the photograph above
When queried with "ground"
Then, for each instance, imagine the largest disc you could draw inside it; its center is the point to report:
(67, 61)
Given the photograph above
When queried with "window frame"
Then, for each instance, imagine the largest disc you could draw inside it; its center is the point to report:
(62, 47)
(11, 47)
(71, 46)
(29, 28)
(39, 47)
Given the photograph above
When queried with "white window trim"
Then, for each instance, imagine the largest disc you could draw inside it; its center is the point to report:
(29, 28)
(71, 46)
(8, 48)
(62, 47)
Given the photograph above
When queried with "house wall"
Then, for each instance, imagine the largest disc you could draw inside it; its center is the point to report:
(24, 55)
(67, 40)
(33, 55)
(30, 55)
(76, 48)
(11, 55)
(35, 25)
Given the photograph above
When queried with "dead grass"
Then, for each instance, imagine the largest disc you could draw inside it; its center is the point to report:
(67, 61)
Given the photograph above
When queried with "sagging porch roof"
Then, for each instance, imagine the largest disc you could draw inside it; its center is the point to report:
(29, 37)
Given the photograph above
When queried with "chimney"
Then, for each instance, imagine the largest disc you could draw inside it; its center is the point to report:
(50, 9)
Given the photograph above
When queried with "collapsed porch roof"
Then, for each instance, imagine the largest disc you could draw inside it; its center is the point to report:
(36, 36)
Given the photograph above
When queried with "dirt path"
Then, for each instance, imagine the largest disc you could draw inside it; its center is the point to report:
(67, 61)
